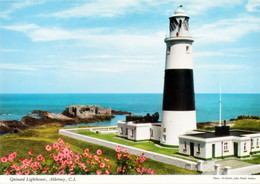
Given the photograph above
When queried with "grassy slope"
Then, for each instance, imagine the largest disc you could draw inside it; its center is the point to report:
(37, 138)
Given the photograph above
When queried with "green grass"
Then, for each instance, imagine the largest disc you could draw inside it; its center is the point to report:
(254, 160)
(37, 138)
(146, 145)
(247, 124)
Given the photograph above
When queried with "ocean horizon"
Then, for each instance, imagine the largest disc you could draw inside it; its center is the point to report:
(15, 106)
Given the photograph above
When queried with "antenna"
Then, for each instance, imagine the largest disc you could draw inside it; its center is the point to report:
(219, 124)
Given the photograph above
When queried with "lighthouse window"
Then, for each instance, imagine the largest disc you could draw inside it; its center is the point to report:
(164, 137)
(126, 131)
(164, 129)
(187, 48)
(168, 50)
(245, 146)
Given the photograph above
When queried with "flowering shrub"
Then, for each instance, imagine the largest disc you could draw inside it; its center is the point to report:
(62, 160)
(127, 164)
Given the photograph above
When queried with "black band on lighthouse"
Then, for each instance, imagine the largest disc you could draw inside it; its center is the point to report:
(178, 90)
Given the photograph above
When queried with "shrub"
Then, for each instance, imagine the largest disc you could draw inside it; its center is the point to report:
(62, 160)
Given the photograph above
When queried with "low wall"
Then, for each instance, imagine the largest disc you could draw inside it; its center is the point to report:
(152, 155)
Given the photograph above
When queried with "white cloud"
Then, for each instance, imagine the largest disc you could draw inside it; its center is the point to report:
(99, 8)
(202, 6)
(253, 6)
(21, 27)
(16, 67)
(18, 5)
(228, 30)
(222, 67)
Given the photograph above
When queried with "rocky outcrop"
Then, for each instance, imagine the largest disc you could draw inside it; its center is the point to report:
(11, 126)
(39, 117)
(116, 112)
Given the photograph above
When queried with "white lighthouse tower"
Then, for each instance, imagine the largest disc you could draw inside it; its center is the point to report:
(178, 115)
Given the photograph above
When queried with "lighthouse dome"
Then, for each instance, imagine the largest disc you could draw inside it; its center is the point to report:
(179, 13)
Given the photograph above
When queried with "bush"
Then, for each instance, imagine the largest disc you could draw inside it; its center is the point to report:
(62, 160)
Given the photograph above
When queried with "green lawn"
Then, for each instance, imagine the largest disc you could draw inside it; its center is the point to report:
(254, 160)
(37, 138)
(146, 145)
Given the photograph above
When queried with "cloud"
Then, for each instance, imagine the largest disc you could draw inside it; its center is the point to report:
(253, 6)
(17, 67)
(222, 67)
(18, 5)
(199, 7)
(227, 30)
(99, 8)
(21, 27)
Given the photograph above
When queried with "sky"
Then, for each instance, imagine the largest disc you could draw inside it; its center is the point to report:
(117, 46)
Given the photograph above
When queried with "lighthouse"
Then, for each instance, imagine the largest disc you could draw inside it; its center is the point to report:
(178, 113)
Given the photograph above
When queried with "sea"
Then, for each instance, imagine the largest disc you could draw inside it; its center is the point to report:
(15, 106)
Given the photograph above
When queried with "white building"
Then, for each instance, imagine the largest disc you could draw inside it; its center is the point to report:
(209, 145)
(139, 131)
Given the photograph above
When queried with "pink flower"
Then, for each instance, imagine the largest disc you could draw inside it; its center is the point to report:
(118, 169)
(27, 172)
(17, 168)
(68, 145)
(138, 170)
(21, 159)
(30, 153)
(86, 150)
(56, 158)
(98, 172)
(48, 148)
(99, 152)
(102, 165)
(109, 166)
(10, 159)
(125, 151)
(107, 172)
(39, 158)
(55, 145)
(13, 155)
(106, 159)
(152, 172)
(3, 159)
(85, 155)
(60, 141)
(18, 173)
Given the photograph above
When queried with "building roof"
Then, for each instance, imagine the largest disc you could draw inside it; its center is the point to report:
(237, 133)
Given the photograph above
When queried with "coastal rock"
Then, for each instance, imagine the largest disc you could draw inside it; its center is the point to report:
(39, 117)
(117, 112)
(11, 126)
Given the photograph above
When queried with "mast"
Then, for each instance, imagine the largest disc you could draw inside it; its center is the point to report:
(219, 124)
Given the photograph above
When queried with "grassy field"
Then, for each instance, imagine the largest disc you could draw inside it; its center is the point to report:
(37, 138)
(247, 124)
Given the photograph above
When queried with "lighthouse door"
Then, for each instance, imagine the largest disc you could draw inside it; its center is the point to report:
(192, 149)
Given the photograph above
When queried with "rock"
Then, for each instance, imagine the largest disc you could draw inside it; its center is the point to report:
(11, 126)
(117, 112)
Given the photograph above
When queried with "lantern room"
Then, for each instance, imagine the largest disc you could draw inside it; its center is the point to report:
(179, 24)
